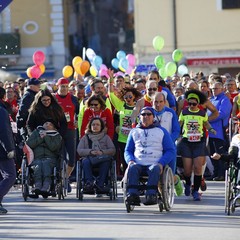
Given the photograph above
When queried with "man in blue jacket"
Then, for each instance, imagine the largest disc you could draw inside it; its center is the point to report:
(7, 152)
(148, 149)
(218, 142)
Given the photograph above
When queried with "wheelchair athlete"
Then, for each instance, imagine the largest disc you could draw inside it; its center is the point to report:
(148, 149)
(97, 149)
(45, 142)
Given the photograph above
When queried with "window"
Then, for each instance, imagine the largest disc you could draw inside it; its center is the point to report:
(230, 4)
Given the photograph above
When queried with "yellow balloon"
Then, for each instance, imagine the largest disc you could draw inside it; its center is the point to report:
(76, 60)
(93, 71)
(28, 72)
(122, 69)
(42, 68)
(67, 71)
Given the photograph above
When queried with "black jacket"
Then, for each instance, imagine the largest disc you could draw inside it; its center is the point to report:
(24, 106)
(6, 135)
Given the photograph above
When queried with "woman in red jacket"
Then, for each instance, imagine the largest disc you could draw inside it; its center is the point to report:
(96, 107)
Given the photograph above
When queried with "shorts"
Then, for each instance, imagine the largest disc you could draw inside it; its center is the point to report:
(192, 149)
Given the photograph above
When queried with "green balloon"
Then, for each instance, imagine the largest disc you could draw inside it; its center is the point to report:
(158, 43)
(163, 72)
(170, 68)
(159, 61)
(177, 55)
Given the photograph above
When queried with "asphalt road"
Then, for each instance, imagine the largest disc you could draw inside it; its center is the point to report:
(100, 218)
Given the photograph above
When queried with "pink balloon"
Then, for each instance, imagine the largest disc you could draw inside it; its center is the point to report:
(35, 71)
(103, 67)
(129, 70)
(38, 58)
(131, 59)
(119, 74)
(103, 72)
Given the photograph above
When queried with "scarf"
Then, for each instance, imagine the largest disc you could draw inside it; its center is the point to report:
(95, 138)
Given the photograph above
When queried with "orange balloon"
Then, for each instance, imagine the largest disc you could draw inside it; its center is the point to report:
(78, 69)
(29, 72)
(76, 60)
(42, 68)
(84, 67)
(67, 71)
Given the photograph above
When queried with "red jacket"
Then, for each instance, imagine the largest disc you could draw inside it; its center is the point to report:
(105, 115)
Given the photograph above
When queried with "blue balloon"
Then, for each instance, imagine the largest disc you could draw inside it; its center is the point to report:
(97, 60)
(123, 63)
(121, 54)
(115, 63)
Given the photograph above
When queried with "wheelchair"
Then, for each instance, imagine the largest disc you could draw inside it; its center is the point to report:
(58, 184)
(111, 181)
(165, 191)
(232, 187)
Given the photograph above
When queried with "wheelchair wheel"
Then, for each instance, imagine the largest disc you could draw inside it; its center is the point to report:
(79, 193)
(113, 181)
(167, 188)
(228, 192)
(25, 179)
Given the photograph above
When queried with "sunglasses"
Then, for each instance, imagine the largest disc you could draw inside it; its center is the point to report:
(152, 89)
(146, 114)
(128, 96)
(192, 104)
(94, 104)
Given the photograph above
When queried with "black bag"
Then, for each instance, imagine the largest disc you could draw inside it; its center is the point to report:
(99, 159)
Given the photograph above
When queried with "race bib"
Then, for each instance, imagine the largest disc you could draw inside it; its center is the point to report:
(125, 131)
(194, 137)
(14, 127)
(67, 116)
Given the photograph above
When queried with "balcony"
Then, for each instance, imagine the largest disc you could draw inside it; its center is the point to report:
(9, 45)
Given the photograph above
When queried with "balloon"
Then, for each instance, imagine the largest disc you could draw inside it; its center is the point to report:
(67, 71)
(76, 60)
(38, 58)
(35, 71)
(121, 54)
(159, 61)
(177, 55)
(97, 61)
(123, 64)
(182, 69)
(129, 70)
(158, 43)
(42, 68)
(90, 54)
(103, 72)
(93, 71)
(119, 74)
(163, 72)
(170, 68)
(103, 66)
(84, 67)
(28, 72)
(115, 63)
(131, 59)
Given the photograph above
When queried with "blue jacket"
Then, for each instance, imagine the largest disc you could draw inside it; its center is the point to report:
(168, 119)
(147, 146)
(6, 135)
(170, 97)
(224, 107)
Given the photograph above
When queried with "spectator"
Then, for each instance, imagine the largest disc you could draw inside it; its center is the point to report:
(7, 152)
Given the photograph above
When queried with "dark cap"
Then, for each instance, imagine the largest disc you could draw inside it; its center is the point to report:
(148, 108)
(33, 81)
